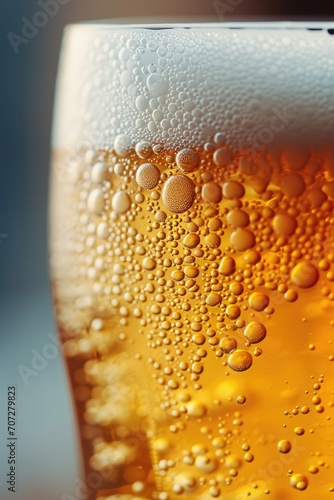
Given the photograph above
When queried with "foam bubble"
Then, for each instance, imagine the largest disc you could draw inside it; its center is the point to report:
(187, 160)
(99, 172)
(255, 332)
(122, 144)
(178, 193)
(147, 176)
(121, 202)
(212, 192)
(201, 92)
(157, 85)
(95, 201)
(305, 275)
(222, 157)
(242, 239)
(240, 360)
(143, 149)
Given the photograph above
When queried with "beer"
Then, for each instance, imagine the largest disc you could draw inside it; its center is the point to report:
(193, 265)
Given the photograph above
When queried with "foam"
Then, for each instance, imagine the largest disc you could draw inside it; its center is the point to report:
(120, 85)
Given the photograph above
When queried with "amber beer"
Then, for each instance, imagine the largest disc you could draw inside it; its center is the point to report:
(192, 259)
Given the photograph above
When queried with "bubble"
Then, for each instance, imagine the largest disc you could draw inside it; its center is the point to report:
(212, 240)
(198, 339)
(237, 218)
(95, 201)
(228, 344)
(219, 442)
(161, 216)
(284, 446)
(173, 384)
(196, 409)
(258, 301)
(197, 367)
(240, 360)
(241, 400)
(291, 295)
(138, 487)
(284, 225)
(252, 257)
(102, 230)
(142, 103)
(305, 275)
(295, 158)
(213, 299)
(299, 481)
(242, 239)
(160, 444)
(123, 145)
(233, 311)
(152, 127)
(149, 263)
(227, 266)
(119, 169)
(299, 431)
(147, 176)
(316, 197)
(249, 457)
(292, 185)
(219, 138)
(215, 224)
(206, 464)
(97, 324)
(212, 192)
(191, 240)
(191, 271)
(214, 491)
(236, 288)
(233, 190)
(143, 149)
(255, 332)
(157, 85)
(99, 172)
(157, 115)
(139, 198)
(178, 193)
(233, 461)
(121, 202)
(222, 157)
(186, 481)
(177, 275)
(187, 160)
(324, 265)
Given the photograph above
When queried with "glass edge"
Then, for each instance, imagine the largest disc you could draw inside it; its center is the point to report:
(105, 24)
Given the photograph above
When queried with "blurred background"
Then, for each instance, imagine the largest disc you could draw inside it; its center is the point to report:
(47, 465)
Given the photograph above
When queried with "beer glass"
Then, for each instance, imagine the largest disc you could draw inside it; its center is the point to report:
(192, 257)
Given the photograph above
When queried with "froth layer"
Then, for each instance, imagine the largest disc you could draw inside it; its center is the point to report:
(255, 87)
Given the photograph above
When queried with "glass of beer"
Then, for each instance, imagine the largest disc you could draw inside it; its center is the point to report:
(192, 257)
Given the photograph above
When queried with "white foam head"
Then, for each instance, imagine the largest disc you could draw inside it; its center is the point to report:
(264, 83)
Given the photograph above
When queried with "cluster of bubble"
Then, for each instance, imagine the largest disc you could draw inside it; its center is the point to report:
(183, 247)
(180, 85)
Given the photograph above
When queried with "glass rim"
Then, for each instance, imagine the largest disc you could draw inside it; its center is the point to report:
(124, 24)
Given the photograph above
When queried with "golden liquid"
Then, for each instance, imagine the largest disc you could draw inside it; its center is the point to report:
(194, 296)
